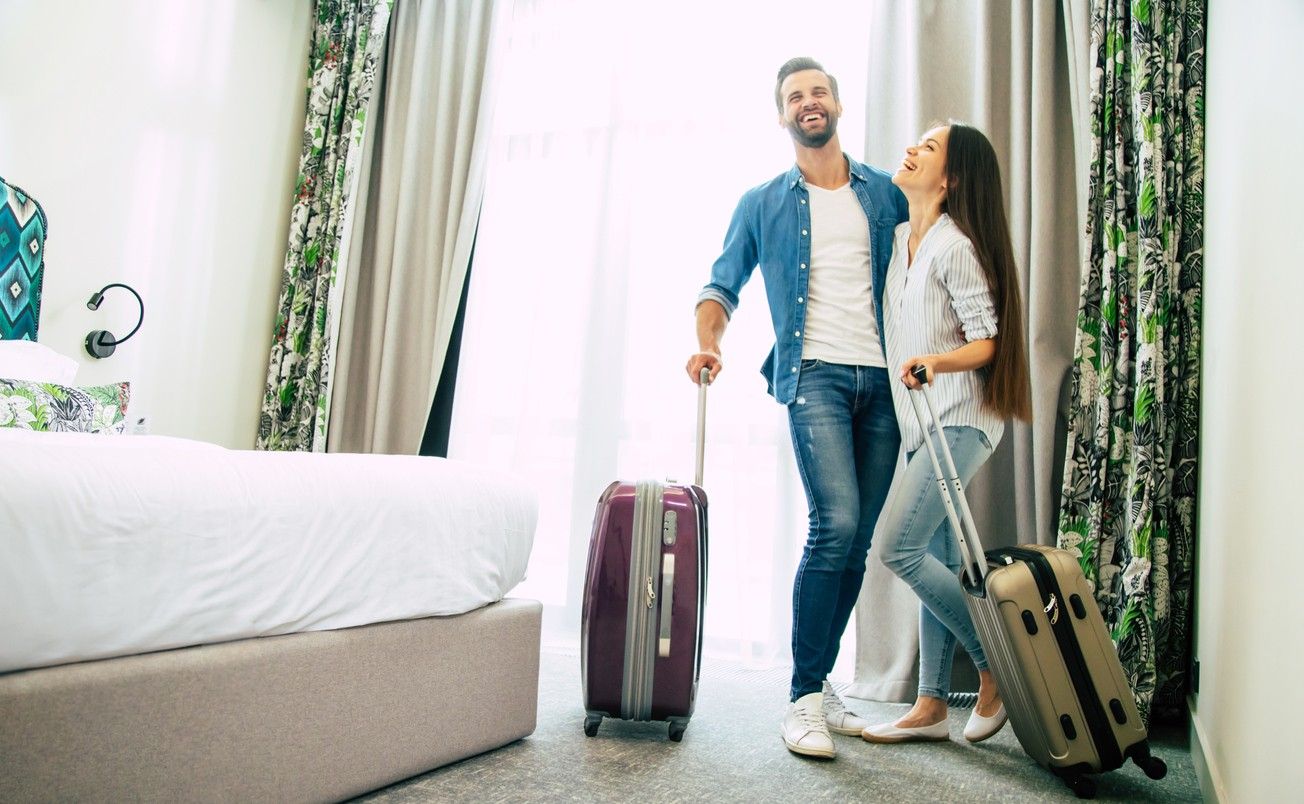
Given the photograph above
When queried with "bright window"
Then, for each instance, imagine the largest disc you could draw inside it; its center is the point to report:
(623, 139)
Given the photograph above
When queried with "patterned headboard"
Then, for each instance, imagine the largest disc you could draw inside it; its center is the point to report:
(22, 263)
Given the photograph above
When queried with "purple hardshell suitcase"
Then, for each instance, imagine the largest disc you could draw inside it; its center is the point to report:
(1055, 665)
(644, 594)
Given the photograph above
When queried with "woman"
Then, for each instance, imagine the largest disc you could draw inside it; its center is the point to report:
(951, 305)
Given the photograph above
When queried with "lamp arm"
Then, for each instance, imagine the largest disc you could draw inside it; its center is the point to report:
(139, 301)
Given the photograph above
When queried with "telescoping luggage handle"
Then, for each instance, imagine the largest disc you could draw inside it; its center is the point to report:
(704, 380)
(952, 490)
(668, 559)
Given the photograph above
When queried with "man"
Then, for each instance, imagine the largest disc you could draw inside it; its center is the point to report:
(822, 235)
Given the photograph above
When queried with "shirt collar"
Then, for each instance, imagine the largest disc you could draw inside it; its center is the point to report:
(854, 168)
(794, 176)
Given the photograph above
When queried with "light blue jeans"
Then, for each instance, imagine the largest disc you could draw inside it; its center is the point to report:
(921, 549)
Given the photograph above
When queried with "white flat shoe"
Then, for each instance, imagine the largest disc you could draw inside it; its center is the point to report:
(981, 727)
(891, 733)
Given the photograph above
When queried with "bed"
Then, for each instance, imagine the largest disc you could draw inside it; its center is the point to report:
(180, 621)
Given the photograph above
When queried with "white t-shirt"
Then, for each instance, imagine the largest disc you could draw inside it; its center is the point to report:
(840, 322)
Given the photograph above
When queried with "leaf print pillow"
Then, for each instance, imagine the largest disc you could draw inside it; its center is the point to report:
(45, 406)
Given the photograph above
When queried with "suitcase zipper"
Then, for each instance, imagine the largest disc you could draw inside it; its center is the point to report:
(703, 553)
(644, 572)
(1107, 747)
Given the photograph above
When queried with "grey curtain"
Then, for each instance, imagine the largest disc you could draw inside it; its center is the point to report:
(420, 207)
(1004, 67)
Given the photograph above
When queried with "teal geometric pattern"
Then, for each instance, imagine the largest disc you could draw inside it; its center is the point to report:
(22, 263)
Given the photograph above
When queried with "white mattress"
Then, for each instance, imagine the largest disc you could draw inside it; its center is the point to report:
(113, 545)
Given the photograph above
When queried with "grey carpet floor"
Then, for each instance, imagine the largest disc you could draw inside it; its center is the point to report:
(732, 751)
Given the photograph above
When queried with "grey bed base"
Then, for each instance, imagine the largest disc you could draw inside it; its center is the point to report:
(315, 716)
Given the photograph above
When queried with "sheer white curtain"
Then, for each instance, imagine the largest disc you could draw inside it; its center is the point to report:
(623, 138)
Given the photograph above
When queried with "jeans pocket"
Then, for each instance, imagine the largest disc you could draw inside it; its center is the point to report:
(984, 440)
(807, 364)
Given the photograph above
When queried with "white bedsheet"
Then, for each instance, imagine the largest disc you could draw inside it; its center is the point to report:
(113, 545)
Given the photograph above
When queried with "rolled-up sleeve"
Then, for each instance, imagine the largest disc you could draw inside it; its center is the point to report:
(971, 298)
(735, 265)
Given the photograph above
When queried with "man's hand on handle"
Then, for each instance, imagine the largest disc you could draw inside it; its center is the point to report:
(711, 322)
(701, 360)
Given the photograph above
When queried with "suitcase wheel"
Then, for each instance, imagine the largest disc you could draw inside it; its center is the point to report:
(677, 731)
(1154, 767)
(1082, 786)
(591, 723)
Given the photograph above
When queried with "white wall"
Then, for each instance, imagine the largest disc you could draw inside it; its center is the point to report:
(1250, 604)
(162, 140)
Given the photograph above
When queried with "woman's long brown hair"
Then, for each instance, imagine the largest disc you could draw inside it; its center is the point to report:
(975, 202)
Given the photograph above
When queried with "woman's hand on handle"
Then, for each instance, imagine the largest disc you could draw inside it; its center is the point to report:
(973, 355)
(704, 360)
(929, 362)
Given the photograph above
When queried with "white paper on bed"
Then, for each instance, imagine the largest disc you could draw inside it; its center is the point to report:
(117, 545)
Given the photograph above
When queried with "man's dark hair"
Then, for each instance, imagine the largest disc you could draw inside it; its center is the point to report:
(795, 66)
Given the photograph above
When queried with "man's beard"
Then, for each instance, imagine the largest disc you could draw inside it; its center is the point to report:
(817, 139)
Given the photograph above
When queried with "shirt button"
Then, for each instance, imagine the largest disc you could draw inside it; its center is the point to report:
(797, 334)
(799, 300)
(794, 369)
(803, 232)
(803, 200)
(803, 266)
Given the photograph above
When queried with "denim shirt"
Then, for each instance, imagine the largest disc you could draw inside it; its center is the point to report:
(771, 228)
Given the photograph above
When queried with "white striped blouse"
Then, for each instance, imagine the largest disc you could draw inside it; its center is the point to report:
(938, 303)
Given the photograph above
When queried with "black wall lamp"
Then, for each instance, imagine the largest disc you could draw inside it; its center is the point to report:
(100, 343)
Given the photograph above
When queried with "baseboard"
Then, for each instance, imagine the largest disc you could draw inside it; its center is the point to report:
(1211, 786)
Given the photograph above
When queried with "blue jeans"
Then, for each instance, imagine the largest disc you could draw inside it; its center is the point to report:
(845, 436)
(920, 548)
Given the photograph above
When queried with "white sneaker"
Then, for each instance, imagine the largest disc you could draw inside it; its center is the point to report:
(804, 730)
(839, 718)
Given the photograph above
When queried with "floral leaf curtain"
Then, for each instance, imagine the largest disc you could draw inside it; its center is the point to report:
(1128, 501)
(348, 46)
